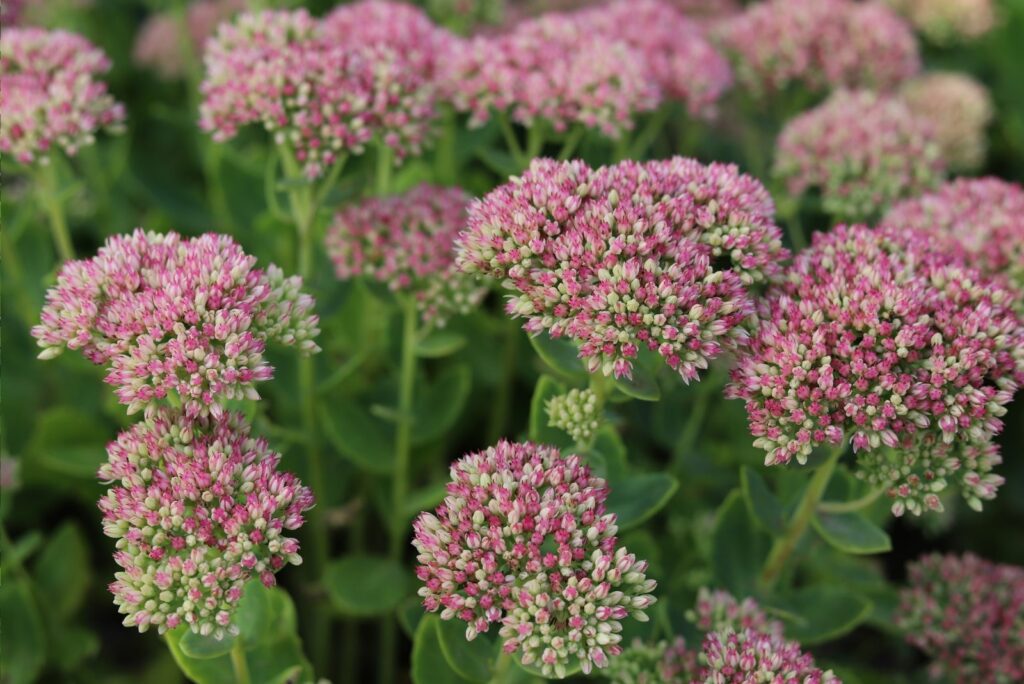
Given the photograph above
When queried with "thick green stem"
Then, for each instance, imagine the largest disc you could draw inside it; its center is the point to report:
(646, 137)
(784, 546)
(502, 664)
(238, 663)
(48, 188)
(503, 399)
(512, 141)
(789, 211)
(447, 160)
(385, 163)
(572, 141)
(853, 505)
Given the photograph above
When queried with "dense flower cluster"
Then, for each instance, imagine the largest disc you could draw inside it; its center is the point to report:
(967, 614)
(407, 242)
(740, 657)
(197, 510)
(958, 108)
(658, 256)
(178, 319)
(948, 21)
(50, 93)
(717, 610)
(821, 44)
(981, 220)
(676, 53)
(874, 339)
(319, 96)
(862, 151)
(550, 68)
(576, 412)
(523, 539)
(160, 45)
(660, 663)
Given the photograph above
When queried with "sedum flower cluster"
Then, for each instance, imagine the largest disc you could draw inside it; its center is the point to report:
(945, 22)
(161, 46)
(197, 504)
(862, 151)
(967, 614)
(659, 663)
(320, 88)
(981, 220)
(659, 256)
(877, 339)
(51, 95)
(959, 109)
(523, 540)
(577, 413)
(819, 44)
(407, 243)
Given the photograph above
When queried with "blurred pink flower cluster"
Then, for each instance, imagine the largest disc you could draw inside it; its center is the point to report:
(820, 44)
(958, 108)
(197, 509)
(160, 45)
(523, 539)
(949, 21)
(876, 338)
(967, 614)
(407, 243)
(51, 95)
(657, 256)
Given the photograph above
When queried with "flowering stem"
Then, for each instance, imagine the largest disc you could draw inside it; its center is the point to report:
(501, 667)
(239, 664)
(503, 400)
(789, 211)
(48, 188)
(705, 389)
(572, 141)
(853, 505)
(643, 141)
(510, 139)
(784, 546)
(385, 162)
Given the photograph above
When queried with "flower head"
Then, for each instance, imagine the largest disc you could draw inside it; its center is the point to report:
(981, 220)
(177, 319)
(159, 44)
(948, 21)
(821, 44)
(742, 656)
(958, 108)
(656, 256)
(967, 614)
(407, 242)
(576, 412)
(550, 68)
(876, 338)
(197, 509)
(50, 93)
(660, 663)
(523, 539)
(861, 151)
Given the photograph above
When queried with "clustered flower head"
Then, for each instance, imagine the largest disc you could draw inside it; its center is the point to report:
(407, 242)
(160, 45)
(657, 256)
(51, 95)
(660, 663)
(677, 55)
(981, 220)
(317, 95)
(948, 21)
(551, 68)
(967, 614)
(820, 44)
(876, 338)
(958, 108)
(576, 412)
(862, 151)
(197, 510)
(523, 539)
(179, 320)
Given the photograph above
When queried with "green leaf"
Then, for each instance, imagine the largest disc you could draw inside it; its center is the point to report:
(439, 405)
(440, 343)
(738, 547)
(62, 571)
(69, 441)
(762, 503)
(424, 499)
(559, 354)
(365, 586)
(638, 497)
(469, 659)
(410, 613)
(607, 454)
(852, 533)
(24, 642)
(825, 613)
(643, 385)
(72, 645)
(202, 647)
(366, 441)
(539, 430)
(429, 666)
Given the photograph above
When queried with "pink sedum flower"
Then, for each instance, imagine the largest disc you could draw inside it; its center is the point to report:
(160, 46)
(523, 539)
(820, 44)
(946, 22)
(407, 242)
(197, 509)
(967, 614)
(657, 256)
(862, 151)
(178, 319)
(981, 220)
(717, 610)
(876, 338)
(552, 68)
(745, 656)
(959, 108)
(660, 663)
(50, 94)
